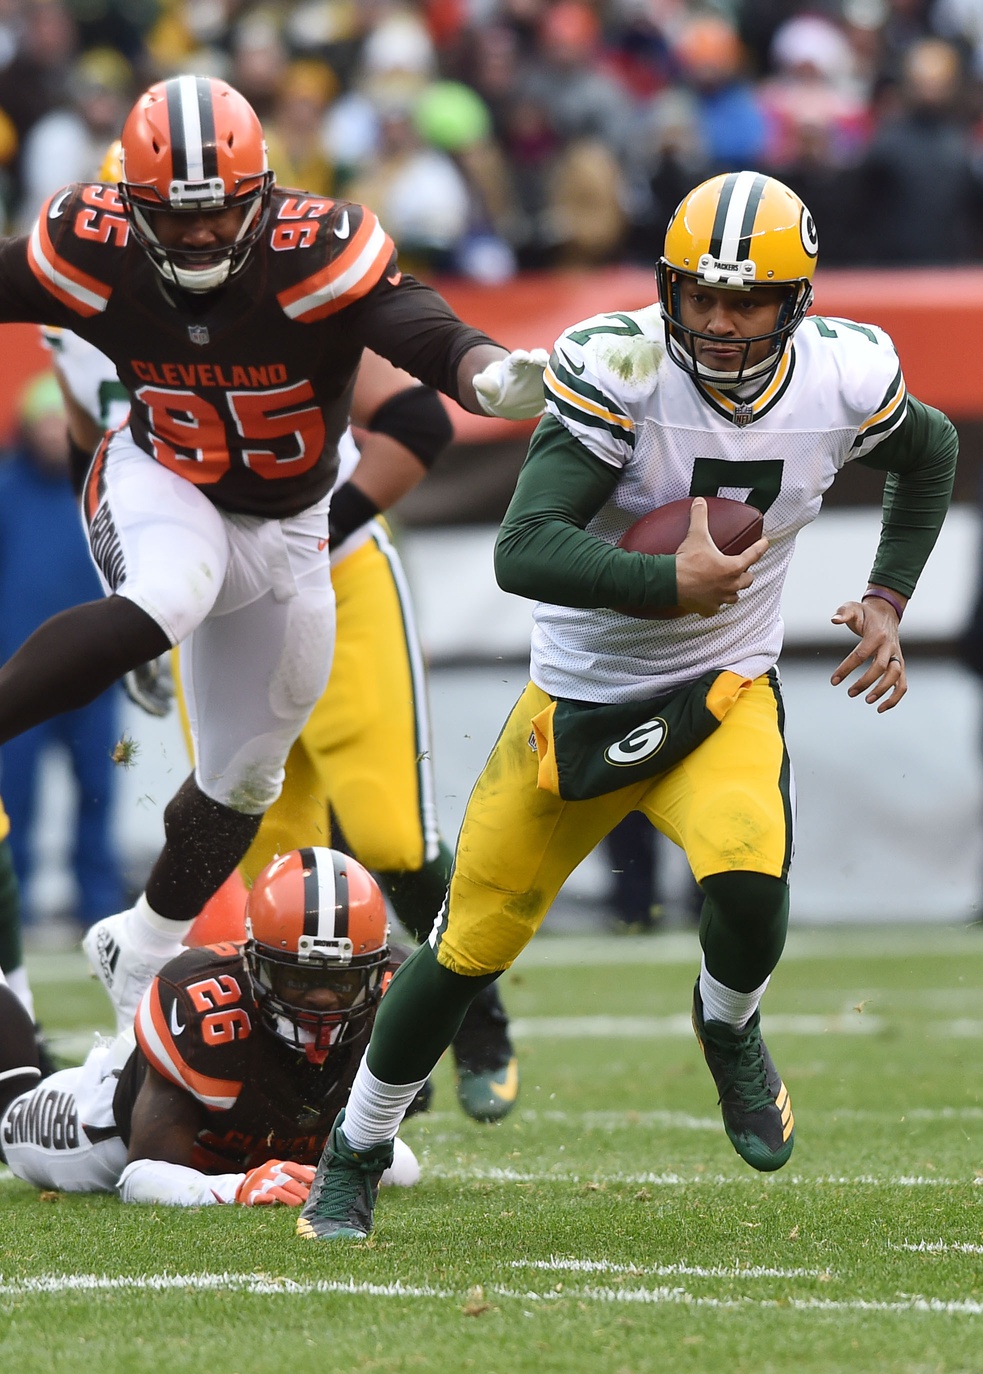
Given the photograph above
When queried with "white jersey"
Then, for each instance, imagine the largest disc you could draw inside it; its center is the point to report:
(837, 393)
(90, 377)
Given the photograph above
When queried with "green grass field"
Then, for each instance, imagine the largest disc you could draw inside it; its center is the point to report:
(607, 1225)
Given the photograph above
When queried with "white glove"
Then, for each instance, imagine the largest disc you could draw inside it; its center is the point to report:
(151, 686)
(512, 387)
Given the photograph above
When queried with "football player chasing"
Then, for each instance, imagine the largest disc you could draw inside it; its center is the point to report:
(239, 1060)
(726, 387)
(235, 314)
(360, 774)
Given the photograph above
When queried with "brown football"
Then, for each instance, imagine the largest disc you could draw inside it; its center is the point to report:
(734, 526)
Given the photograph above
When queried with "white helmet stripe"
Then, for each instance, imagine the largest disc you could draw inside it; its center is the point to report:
(190, 116)
(322, 916)
(745, 195)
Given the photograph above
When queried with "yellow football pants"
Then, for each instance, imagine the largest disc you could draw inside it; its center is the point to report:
(728, 805)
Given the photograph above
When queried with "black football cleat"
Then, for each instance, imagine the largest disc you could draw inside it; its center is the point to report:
(756, 1107)
(487, 1069)
(341, 1203)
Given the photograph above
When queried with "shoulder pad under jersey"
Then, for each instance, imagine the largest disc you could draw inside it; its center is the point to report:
(194, 1021)
(76, 245)
(330, 252)
(599, 371)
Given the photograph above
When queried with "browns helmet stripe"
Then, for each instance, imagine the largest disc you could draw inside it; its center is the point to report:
(340, 865)
(191, 120)
(733, 223)
(309, 867)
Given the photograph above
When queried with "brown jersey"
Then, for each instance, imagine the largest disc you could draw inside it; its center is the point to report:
(245, 390)
(199, 1027)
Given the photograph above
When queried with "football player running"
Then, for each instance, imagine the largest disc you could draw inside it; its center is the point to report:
(235, 314)
(726, 387)
(243, 1055)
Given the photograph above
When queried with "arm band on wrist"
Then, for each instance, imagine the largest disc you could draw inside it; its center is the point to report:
(889, 597)
(415, 418)
(350, 508)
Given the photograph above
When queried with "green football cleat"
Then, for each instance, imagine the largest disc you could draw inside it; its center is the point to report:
(756, 1107)
(487, 1069)
(343, 1195)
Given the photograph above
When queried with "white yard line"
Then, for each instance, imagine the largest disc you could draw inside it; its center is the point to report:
(266, 1285)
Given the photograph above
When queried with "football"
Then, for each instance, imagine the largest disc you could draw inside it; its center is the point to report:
(734, 526)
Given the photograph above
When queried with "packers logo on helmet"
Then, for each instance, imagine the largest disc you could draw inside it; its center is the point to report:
(191, 145)
(738, 231)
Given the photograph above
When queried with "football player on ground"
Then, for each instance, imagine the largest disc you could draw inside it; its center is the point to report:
(725, 387)
(243, 1055)
(235, 314)
(360, 774)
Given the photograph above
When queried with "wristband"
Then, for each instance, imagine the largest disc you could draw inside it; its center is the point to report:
(350, 509)
(889, 597)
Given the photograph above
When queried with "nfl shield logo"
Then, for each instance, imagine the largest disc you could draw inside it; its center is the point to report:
(198, 334)
(743, 415)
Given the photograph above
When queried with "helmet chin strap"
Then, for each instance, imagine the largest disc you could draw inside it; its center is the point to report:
(724, 381)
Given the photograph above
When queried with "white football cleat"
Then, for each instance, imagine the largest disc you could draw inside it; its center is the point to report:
(123, 963)
(404, 1171)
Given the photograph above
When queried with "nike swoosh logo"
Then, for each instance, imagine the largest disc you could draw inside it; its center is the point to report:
(322, 544)
(577, 371)
(395, 279)
(509, 1090)
(176, 1027)
(342, 229)
(58, 204)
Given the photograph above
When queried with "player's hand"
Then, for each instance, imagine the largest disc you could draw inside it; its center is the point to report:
(512, 387)
(278, 1180)
(880, 649)
(151, 686)
(707, 579)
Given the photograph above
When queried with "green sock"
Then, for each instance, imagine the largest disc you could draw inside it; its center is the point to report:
(419, 1016)
(743, 927)
(11, 939)
(418, 896)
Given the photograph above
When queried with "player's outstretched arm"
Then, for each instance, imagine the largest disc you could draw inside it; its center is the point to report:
(875, 621)
(508, 385)
(707, 579)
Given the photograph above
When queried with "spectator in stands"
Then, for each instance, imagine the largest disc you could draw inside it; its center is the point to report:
(582, 100)
(33, 81)
(65, 144)
(921, 189)
(295, 132)
(45, 568)
(732, 122)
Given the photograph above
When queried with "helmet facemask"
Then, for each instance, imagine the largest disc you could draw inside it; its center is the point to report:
(280, 979)
(682, 339)
(197, 269)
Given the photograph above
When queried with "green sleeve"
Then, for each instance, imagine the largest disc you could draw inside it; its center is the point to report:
(920, 462)
(543, 551)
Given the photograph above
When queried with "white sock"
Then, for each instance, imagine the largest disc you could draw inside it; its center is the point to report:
(375, 1109)
(721, 1003)
(16, 980)
(154, 933)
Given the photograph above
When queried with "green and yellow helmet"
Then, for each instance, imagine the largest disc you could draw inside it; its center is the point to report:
(738, 231)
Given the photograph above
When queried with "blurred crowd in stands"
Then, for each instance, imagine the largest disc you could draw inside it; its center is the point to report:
(493, 136)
